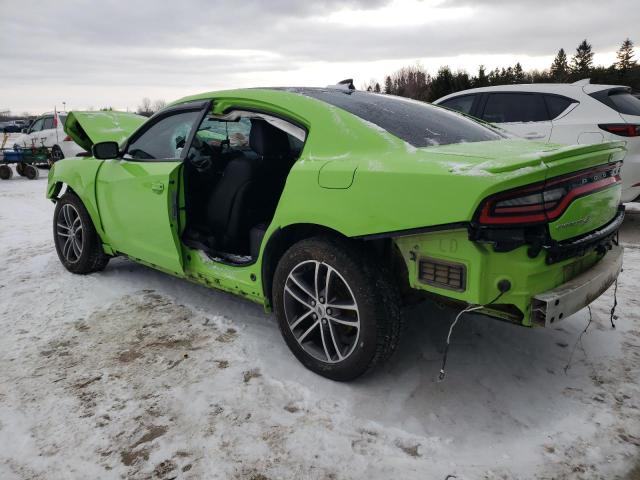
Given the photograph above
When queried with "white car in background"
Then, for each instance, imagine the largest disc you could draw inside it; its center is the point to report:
(47, 130)
(562, 113)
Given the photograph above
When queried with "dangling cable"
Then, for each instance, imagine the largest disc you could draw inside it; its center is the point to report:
(467, 309)
(578, 341)
(615, 304)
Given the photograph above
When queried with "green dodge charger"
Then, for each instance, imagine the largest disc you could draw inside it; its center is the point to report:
(334, 208)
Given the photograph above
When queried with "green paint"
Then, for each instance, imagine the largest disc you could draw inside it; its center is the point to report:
(356, 180)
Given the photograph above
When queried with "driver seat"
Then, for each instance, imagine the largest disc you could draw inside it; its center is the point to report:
(249, 189)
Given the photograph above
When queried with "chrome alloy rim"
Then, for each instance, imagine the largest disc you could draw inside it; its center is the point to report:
(70, 233)
(321, 311)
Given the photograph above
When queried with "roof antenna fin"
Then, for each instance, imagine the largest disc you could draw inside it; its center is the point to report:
(346, 84)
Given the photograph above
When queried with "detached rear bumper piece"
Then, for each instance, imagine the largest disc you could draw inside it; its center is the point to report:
(559, 303)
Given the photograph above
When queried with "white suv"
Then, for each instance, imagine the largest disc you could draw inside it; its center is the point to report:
(47, 130)
(562, 113)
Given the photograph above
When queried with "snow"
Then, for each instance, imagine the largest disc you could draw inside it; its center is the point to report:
(470, 169)
(130, 373)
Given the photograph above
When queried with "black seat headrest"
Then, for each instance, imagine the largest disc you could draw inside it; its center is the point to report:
(267, 140)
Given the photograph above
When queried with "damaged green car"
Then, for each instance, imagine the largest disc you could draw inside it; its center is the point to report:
(334, 208)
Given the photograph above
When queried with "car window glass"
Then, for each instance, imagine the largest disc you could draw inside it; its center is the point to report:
(461, 104)
(37, 125)
(557, 104)
(515, 107)
(417, 123)
(48, 123)
(165, 139)
(214, 132)
(625, 103)
(63, 118)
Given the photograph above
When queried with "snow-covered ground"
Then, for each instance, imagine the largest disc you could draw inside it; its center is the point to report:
(130, 373)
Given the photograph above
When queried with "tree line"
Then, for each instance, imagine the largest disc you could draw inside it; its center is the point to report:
(415, 82)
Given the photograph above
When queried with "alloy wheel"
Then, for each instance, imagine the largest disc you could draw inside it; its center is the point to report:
(321, 311)
(70, 233)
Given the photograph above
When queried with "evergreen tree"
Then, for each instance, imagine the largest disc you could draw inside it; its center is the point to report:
(376, 88)
(481, 80)
(582, 61)
(560, 67)
(518, 74)
(625, 56)
(388, 85)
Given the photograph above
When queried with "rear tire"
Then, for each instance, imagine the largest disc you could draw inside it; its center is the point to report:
(5, 172)
(20, 169)
(56, 154)
(77, 243)
(31, 172)
(342, 328)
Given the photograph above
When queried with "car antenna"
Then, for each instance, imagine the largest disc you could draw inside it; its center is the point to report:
(583, 82)
(346, 84)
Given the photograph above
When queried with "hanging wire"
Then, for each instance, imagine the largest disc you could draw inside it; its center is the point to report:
(578, 341)
(615, 304)
(467, 309)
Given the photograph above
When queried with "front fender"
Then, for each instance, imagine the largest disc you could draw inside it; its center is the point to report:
(79, 175)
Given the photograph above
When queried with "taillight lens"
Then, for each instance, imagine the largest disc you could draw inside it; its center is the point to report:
(621, 129)
(67, 139)
(545, 201)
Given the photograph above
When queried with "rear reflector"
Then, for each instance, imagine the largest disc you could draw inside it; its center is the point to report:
(621, 129)
(545, 201)
(439, 273)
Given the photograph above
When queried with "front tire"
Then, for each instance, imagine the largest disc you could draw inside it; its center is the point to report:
(337, 309)
(77, 243)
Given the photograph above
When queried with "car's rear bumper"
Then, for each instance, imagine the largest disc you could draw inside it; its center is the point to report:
(553, 305)
(631, 175)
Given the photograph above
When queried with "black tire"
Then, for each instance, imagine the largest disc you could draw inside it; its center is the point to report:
(5, 172)
(376, 299)
(56, 154)
(31, 172)
(91, 257)
(20, 169)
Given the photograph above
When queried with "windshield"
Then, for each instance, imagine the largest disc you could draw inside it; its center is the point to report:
(417, 123)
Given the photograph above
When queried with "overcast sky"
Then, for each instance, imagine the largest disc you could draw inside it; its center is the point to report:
(113, 53)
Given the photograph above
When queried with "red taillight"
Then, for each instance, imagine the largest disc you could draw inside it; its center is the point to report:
(67, 139)
(545, 201)
(622, 129)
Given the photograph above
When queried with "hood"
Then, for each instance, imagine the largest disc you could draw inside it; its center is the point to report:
(87, 128)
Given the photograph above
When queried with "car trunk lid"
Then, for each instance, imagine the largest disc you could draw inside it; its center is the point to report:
(87, 128)
(582, 176)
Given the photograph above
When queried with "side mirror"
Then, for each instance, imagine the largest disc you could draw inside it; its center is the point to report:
(105, 150)
(25, 130)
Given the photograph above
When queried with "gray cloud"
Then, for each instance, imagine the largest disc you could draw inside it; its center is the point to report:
(101, 44)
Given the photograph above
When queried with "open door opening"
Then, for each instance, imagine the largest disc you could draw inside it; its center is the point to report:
(234, 174)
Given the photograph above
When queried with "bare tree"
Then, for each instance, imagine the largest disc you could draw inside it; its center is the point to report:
(145, 107)
(159, 105)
